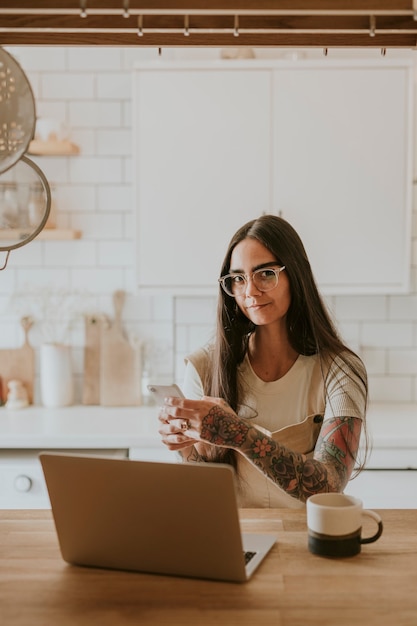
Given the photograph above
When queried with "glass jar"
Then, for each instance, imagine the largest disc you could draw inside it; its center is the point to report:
(37, 204)
(51, 222)
(9, 205)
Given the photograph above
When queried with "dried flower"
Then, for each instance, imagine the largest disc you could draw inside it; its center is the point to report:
(53, 310)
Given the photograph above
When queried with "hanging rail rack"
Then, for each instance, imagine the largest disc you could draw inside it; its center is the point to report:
(198, 23)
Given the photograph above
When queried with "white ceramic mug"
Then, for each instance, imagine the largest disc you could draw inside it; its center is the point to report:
(334, 522)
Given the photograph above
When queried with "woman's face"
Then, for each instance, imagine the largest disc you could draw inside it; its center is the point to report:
(261, 308)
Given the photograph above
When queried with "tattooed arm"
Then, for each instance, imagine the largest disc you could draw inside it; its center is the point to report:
(329, 469)
(215, 424)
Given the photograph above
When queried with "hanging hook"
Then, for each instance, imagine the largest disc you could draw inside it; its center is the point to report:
(325, 52)
(372, 25)
(186, 26)
(5, 261)
(126, 8)
(236, 31)
(383, 51)
(83, 8)
(140, 25)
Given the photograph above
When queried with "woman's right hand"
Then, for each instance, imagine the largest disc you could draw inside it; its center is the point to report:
(201, 424)
(172, 435)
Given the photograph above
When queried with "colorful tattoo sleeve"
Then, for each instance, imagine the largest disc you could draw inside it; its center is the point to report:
(299, 476)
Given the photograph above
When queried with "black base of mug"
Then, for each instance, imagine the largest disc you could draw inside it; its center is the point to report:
(324, 545)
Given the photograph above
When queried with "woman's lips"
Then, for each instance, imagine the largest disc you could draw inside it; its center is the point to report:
(256, 307)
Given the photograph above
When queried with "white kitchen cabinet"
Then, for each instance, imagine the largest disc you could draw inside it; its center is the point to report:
(117, 432)
(327, 144)
(390, 477)
(385, 489)
(201, 167)
(342, 171)
(22, 485)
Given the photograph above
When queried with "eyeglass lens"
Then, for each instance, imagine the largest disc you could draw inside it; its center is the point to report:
(264, 279)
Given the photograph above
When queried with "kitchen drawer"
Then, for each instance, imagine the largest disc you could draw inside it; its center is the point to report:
(22, 485)
(385, 489)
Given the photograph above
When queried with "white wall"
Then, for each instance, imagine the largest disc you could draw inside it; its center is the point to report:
(90, 90)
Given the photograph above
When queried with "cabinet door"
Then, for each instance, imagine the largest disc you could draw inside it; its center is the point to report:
(202, 168)
(342, 170)
(385, 489)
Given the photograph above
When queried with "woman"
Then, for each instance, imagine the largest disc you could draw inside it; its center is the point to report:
(278, 394)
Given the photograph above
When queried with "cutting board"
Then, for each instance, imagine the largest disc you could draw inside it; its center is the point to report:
(120, 362)
(19, 363)
(92, 359)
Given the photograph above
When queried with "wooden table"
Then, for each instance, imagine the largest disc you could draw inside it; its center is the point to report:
(291, 588)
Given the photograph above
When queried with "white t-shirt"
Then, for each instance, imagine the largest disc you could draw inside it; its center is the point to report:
(273, 405)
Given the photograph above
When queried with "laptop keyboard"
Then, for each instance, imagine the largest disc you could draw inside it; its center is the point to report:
(248, 556)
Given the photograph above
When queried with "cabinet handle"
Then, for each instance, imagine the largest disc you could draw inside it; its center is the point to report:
(23, 483)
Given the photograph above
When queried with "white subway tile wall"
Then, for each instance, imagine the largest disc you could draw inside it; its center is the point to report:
(89, 91)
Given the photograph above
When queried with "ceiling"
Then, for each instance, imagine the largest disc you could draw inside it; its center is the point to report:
(217, 23)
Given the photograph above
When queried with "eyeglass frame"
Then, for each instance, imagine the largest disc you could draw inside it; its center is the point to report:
(277, 272)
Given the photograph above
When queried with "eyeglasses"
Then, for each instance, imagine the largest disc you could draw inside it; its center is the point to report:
(264, 279)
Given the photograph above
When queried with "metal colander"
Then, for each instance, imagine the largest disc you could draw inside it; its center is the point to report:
(17, 111)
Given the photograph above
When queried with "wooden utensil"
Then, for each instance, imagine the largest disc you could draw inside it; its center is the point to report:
(92, 359)
(19, 363)
(120, 362)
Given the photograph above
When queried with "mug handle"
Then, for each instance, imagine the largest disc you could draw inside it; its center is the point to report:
(378, 520)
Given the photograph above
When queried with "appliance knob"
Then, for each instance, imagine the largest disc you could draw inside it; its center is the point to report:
(23, 483)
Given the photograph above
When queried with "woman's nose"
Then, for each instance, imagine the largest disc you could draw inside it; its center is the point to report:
(251, 288)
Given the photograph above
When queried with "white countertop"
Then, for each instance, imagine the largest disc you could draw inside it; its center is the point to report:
(79, 427)
(392, 427)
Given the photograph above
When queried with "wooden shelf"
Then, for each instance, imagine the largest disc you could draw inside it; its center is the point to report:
(17, 234)
(53, 148)
(59, 233)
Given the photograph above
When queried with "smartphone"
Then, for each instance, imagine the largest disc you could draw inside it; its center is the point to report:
(160, 392)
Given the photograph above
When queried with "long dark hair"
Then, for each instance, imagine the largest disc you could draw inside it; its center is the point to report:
(309, 325)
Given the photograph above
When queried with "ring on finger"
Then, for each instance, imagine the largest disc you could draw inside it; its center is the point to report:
(185, 425)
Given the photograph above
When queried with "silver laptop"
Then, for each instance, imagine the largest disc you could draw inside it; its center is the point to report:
(164, 518)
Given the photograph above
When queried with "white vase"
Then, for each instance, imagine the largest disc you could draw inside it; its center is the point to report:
(56, 376)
